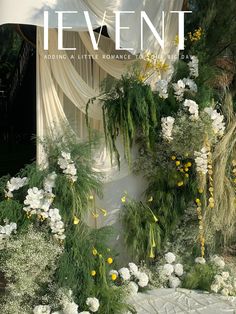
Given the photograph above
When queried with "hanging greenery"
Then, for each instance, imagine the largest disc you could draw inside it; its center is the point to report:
(142, 232)
(128, 108)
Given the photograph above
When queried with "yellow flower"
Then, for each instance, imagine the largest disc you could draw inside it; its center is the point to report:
(198, 201)
(189, 164)
(104, 212)
(152, 255)
(76, 220)
(113, 277)
(180, 183)
(93, 273)
(200, 191)
(95, 252)
(173, 157)
(123, 199)
(186, 169)
(186, 175)
(177, 163)
(181, 170)
(150, 199)
(109, 260)
(176, 40)
(91, 197)
(95, 215)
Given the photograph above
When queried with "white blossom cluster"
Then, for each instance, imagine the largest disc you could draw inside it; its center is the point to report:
(171, 272)
(218, 261)
(182, 86)
(42, 309)
(167, 125)
(7, 230)
(14, 184)
(68, 166)
(218, 124)
(132, 277)
(193, 66)
(93, 304)
(56, 224)
(224, 283)
(39, 203)
(179, 89)
(192, 107)
(200, 260)
(162, 88)
(201, 160)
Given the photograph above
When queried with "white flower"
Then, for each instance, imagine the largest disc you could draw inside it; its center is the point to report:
(162, 88)
(142, 279)
(215, 288)
(16, 183)
(218, 261)
(167, 125)
(42, 309)
(217, 121)
(201, 160)
(68, 166)
(34, 198)
(190, 84)
(225, 292)
(167, 270)
(174, 282)
(179, 89)
(113, 272)
(200, 260)
(7, 230)
(179, 270)
(225, 275)
(49, 182)
(219, 279)
(192, 108)
(133, 269)
(84, 312)
(170, 257)
(66, 156)
(193, 66)
(132, 288)
(70, 308)
(124, 273)
(93, 304)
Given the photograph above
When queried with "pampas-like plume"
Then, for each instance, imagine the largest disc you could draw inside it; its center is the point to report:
(222, 218)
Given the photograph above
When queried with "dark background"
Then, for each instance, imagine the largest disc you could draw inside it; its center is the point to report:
(17, 97)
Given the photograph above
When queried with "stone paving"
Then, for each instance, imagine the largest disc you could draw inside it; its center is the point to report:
(170, 301)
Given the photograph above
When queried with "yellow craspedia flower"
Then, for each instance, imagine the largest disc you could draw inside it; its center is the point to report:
(200, 191)
(189, 164)
(113, 277)
(186, 169)
(123, 199)
(95, 252)
(93, 273)
(76, 220)
(173, 157)
(177, 163)
(91, 197)
(198, 201)
(186, 175)
(180, 183)
(110, 260)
